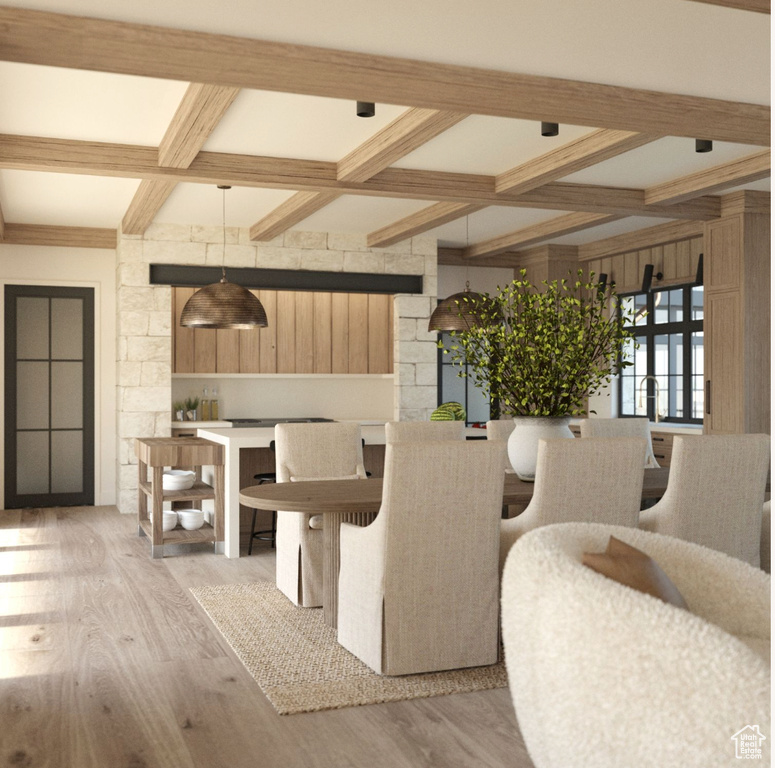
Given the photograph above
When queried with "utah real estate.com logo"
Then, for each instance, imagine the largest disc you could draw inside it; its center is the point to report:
(748, 743)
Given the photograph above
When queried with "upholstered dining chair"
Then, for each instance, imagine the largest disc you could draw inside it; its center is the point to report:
(418, 587)
(603, 676)
(715, 493)
(597, 480)
(420, 431)
(310, 452)
(637, 427)
(501, 430)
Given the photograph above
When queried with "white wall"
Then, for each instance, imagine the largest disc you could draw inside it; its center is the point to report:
(82, 267)
(346, 397)
(481, 279)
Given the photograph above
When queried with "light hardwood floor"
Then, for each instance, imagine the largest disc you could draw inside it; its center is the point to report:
(106, 661)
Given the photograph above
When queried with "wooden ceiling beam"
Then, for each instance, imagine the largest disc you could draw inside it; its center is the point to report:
(403, 135)
(199, 111)
(574, 156)
(731, 174)
(63, 237)
(428, 218)
(51, 39)
(130, 161)
(292, 211)
(535, 233)
(406, 133)
(672, 231)
(758, 6)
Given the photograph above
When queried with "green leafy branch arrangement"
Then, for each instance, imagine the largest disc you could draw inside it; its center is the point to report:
(543, 352)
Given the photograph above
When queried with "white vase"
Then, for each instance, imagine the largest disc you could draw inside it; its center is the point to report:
(523, 441)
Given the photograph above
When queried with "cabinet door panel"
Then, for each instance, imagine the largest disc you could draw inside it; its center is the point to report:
(182, 338)
(249, 354)
(378, 341)
(322, 315)
(723, 363)
(204, 351)
(267, 337)
(340, 332)
(286, 332)
(305, 332)
(359, 333)
(227, 351)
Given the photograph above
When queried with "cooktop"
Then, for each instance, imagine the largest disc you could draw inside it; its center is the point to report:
(274, 422)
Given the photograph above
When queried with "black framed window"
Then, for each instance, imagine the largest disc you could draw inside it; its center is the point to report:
(667, 374)
(454, 388)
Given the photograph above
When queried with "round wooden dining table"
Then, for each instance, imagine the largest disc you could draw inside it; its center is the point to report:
(358, 501)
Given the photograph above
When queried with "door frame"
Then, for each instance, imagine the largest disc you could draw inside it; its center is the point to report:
(96, 383)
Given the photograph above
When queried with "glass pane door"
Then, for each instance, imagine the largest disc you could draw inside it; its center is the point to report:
(49, 396)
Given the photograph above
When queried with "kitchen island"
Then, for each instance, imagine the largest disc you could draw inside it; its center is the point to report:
(236, 440)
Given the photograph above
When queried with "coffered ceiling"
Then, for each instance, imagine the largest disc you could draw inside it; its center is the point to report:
(455, 142)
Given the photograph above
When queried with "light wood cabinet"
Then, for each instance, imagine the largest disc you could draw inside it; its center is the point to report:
(308, 332)
(737, 324)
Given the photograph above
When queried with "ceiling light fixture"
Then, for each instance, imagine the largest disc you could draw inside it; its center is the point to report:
(703, 145)
(223, 305)
(364, 108)
(550, 129)
(460, 311)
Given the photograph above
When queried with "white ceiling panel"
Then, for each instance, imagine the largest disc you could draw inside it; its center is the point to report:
(92, 106)
(288, 125)
(29, 197)
(488, 223)
(630, 224)
(668, 45)
(359, 215)
(202, 204)
(663, 160)
(487, 145)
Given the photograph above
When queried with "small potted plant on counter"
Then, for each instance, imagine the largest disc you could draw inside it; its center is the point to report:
(178, 408)
(192, 403)
(542, 351)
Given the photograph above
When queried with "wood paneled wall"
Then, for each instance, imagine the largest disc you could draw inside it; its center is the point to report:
(308, 332)
(676, 261)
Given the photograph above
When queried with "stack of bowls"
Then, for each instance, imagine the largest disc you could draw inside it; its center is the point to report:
(177, 479)
(191, 519)
(169, 520)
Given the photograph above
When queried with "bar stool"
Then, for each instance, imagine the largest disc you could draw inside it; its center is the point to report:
(261, 478)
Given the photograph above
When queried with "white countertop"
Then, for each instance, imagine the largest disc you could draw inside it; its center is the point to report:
(260, 437)
(200, 424)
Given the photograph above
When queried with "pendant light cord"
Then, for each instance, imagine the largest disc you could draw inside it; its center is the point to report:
(223, 188)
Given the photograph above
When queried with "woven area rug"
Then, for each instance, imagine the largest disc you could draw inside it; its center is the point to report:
(295, 659)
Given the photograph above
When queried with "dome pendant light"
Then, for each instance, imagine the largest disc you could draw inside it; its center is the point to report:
(460, 311)
(223, 305)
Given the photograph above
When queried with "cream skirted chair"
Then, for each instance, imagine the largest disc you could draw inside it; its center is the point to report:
(636, 427)
(605, 676)
(765, 551)
(596, 480)
(420, 431)
(715, 493)
(501, 430)
(310, 452)
(418, 587)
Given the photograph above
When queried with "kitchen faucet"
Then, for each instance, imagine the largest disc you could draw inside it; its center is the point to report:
(655, 396)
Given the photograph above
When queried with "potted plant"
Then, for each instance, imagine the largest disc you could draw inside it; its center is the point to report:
(178, 408)
(542, 351)
(191, 405)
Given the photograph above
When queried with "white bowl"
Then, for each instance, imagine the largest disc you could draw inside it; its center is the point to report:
(177, 479)
(191, 519)
(168, 522)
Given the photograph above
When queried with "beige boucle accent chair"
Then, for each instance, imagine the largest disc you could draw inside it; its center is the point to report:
(604, 676)
(622, 428)
(596, 480)
(418, 588)
(715, 493)
(310, 452)
(420, 431)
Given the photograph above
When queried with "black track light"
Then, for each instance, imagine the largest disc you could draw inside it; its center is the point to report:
(550, 129)
(364, 109)
(648, 274)
(703, 145)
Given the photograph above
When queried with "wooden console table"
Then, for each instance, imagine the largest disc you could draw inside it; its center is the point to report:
(178, 453)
